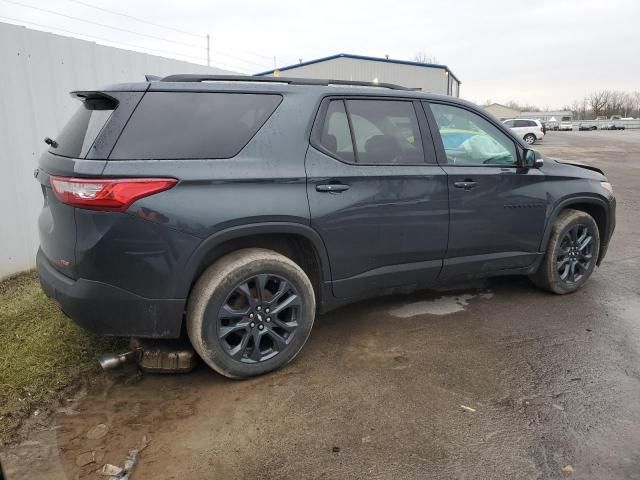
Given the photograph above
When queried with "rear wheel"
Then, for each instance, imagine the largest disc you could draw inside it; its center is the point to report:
(530, 138)
(251, 312)
(571, 254)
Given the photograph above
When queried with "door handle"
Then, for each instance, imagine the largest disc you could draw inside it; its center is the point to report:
(332, 187)
(466, 185)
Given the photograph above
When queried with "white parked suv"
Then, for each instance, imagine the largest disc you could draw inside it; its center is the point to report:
(527, 129)
(568, 126)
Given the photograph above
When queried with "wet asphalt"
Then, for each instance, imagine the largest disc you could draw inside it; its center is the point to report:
(490, 380)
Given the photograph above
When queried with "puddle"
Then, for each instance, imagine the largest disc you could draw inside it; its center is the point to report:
(439, 306)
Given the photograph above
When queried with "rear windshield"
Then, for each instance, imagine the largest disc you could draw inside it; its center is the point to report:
(183, 125)
(81, 130)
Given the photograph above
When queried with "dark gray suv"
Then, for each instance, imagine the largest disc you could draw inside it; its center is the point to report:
(232, 209)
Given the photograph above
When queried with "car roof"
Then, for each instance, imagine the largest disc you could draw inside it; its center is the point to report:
(323, 87)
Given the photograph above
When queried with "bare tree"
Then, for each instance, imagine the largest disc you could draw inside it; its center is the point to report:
(522, 107)
(598, 101)
(422, 57)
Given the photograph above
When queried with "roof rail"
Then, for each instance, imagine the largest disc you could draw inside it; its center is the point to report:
(192, 77)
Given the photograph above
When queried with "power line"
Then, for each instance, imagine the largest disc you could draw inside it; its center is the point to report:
(131, 31)
(237, 58)
(118, 42)
(102, 24)
(136, 18)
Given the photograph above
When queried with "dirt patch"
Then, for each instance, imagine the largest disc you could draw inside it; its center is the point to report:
(42, 351)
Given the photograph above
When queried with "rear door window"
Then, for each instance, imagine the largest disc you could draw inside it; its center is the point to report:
(193, 125)
(81, 130)
(335, 135)
(385, 132)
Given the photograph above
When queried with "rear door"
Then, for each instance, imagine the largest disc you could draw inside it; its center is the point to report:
(521, 127)
(376, 195)
(497, 208)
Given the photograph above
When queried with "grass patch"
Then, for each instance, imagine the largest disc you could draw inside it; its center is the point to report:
(41, 350)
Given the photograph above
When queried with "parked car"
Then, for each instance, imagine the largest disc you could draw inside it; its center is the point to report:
(613, 125)
(565, 126)
(528, 129)
(232, 210)
(587, 126)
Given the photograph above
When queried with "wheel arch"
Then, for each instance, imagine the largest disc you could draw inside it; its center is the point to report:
(299, 242)
(595, 206)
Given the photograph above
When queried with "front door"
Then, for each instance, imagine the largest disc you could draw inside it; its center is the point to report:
(497, 208)
(376, 195)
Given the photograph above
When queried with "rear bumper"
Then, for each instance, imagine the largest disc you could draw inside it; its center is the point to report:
(108, 310)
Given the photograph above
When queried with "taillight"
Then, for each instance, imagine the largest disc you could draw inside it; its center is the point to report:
(112, 194)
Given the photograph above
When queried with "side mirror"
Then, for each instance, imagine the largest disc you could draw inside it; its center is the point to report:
(532, 159)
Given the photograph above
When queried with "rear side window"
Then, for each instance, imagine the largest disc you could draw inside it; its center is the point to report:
(385, 131)
(81, 130)
(183, 125)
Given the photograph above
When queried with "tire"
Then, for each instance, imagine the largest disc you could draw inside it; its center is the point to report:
(232, 282)
(552, 274)
(530, 138)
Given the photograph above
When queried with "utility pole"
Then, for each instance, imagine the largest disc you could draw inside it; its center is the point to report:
(208, 50)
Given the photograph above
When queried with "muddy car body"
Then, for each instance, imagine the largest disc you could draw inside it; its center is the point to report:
(202, 205)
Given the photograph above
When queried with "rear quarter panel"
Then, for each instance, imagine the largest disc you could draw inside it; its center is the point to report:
(265, 182)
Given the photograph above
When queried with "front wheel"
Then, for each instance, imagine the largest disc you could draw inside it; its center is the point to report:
(571, 254)
(529, 138)
(250, 312)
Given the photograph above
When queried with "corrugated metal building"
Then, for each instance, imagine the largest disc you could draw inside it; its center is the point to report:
(39, 70)
(425, 76)
(501, 111)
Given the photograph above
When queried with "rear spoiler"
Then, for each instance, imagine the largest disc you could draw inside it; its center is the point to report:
(94, 100)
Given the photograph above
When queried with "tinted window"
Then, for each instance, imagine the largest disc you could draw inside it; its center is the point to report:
(81, 130)
(509, 123)
(336, 136)
(520, 123)
(175, 125)
(469, 139)
(385, 131)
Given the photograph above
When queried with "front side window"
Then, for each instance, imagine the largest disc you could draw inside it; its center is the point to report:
(470, 140)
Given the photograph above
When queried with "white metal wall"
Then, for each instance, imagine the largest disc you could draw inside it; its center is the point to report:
(37, 72)
(433, 80)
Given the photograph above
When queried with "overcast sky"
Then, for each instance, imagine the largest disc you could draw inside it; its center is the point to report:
(542, 52)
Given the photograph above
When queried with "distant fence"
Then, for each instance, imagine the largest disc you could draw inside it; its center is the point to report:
(604, 123)
(39, 70)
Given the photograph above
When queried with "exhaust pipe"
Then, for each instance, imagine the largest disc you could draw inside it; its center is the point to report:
(154, 356)
(109, 361)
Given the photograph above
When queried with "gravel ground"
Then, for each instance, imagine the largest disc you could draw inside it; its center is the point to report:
(490, 380)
